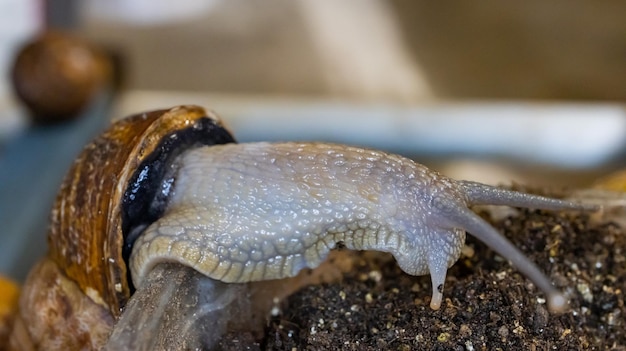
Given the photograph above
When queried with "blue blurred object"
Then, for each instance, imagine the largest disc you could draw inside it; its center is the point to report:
(32, 166)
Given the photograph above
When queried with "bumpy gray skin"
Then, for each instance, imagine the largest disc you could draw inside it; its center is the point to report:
(260, 211)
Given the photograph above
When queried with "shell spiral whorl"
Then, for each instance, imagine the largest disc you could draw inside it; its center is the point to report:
(86, 236)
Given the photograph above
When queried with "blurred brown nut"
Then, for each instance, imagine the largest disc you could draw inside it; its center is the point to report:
(57, 75)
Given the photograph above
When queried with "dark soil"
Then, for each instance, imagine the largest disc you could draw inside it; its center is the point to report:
(488, 304)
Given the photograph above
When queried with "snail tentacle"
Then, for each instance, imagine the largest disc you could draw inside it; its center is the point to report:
(479, 228)
(442, 253)
(483, 194)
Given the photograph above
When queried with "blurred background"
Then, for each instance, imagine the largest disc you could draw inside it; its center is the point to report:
(397, 51)
(530, 92)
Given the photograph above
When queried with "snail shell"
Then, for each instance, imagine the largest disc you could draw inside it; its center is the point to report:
(83, 283)
(93, 213)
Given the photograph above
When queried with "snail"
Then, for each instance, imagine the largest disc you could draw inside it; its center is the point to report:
(173, 187)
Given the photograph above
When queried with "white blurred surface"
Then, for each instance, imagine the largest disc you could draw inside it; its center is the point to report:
(145, 12)
(19, 19)
(571, 135)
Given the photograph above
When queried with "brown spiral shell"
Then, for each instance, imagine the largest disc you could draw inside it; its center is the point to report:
(57, 75)
(86, 236)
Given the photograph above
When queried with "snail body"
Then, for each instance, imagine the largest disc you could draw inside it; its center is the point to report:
(261, 211)
(173, 186)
